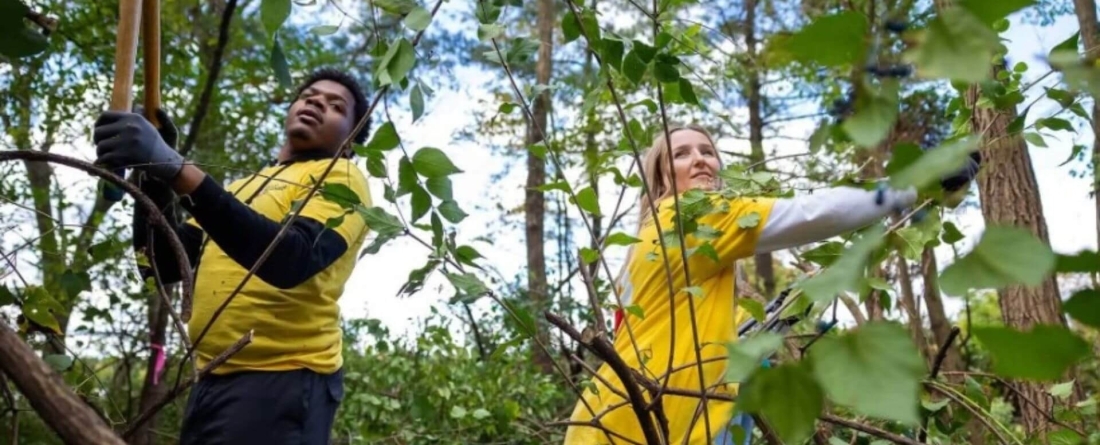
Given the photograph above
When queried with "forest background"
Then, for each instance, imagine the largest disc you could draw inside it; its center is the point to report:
(503, 141)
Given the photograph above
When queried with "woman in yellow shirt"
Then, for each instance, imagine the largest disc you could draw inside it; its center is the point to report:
(646, 342)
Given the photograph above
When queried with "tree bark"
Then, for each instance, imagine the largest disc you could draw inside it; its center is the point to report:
(1010, 196)
(909, 302)
(55, 403)
(937, 316)
(153, 389)
(764, 267)
(1086, 20)
(534, 202)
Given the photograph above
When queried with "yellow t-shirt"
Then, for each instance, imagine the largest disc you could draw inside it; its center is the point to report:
(717, 316)
(293, 328)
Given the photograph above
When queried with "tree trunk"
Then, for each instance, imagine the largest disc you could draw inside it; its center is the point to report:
(764, 268)
(534, 203)
(937, 316)
(1010, 196)
(1086, 20)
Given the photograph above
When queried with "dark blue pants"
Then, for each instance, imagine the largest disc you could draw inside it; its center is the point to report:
(269, 408)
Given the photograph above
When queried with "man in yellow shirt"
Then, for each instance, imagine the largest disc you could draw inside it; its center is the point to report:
(284, 387)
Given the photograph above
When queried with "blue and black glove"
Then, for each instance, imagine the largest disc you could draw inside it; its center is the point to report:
(127, 140)
(961, 179)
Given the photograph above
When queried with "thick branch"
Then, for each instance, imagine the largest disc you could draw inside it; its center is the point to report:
(56, 404)
(877, 432)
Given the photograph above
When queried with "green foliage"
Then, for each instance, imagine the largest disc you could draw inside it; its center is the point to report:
(1004, 256)
(788, 397)
(1042, 353)
(956, 45)
(846, 273)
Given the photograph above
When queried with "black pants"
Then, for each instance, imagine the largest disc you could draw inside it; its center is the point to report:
(269, 408)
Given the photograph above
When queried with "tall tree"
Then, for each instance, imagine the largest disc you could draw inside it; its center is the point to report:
(534, 202)
(764, 267)
(1086, 19)
(1010, 196)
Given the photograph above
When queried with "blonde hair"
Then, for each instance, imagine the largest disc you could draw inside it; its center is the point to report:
(656, 169)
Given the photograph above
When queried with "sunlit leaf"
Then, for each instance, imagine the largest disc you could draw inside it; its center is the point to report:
(589, 255)
(847, 272)
(440, 186)
(755, 308)
(418, 19)
(831, 40)
(340, 194)
(273, 13)
(588, 201)
(1043, 353)
(621, 239)
(748, 221)
(416, 102)
(1004, 255)
(385, 138)
(451, 211)
(935, 164)
(990, 11)
(876, 111)
(888, 365)
(380, 221)
(431, 162)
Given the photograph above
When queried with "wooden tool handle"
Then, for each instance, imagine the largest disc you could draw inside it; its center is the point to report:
(125, 54)
(150, 35)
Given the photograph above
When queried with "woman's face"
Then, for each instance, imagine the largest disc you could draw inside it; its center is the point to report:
(695, 161)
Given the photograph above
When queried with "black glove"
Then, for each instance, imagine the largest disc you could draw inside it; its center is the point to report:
(127, 140)
(961, 179)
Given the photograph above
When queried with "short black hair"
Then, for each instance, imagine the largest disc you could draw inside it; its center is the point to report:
(349, 82)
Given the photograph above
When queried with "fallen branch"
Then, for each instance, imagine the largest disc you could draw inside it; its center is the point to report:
(156, 218)
(179, 389)
(599, 346)
(874, 431)
(56, 404)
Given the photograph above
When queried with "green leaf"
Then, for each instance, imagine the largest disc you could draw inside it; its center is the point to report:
(40, 308)
(458, 412)
(273, 13)
(1004, 255)
(1043, 353)
(687, 92)
(1084, 306)
(665, 72)
(431, 162)
(398, 62)
(467, 255)
(695, 291)
(745, 356)
(279, 65)
(451, 211)
(570, 27)
(787, 397)
(888, 365)
(990, 11)
(636, 311)
(481, 413)
(421, 203)
(560, 184)
(845, 274)
(951, 234)
(1035, 139)
(957, 46)
(418, 19)
(935, 164)
(380, 221)
(621, 239)
(587, 201)
(6, 296)
(468, 287)
(324, 30)
(1068, 45)
(905, 154)
(832, 40)
(589, 255)
(707, 250)
(340, 194)
(489, 31)
(824, 254)
(633, 67)
(73, 283)
(385, 138)
(334, 222)
(376, 162)
(1062, 390)
(875, 114)
(59, 362)
(755, 308)
(1063, 97)
(748, 221)
(416, 102)
(1054, 123)
(611, 51)
(396, 7)
(406, 177)
(1082, 262)
(1063, 436)
(439, 186)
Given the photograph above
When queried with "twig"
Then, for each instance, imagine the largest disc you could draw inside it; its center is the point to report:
(981, 418)
(943, 351)
(179, 389)
(211, 79)
(874, 431)
(593, 296)
(1013, 388)
(156, 217)
(599, 346)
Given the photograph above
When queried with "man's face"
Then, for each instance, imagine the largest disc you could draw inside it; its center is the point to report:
(321, 117)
